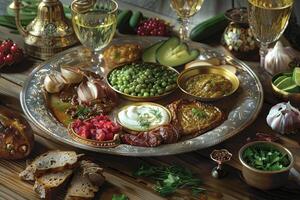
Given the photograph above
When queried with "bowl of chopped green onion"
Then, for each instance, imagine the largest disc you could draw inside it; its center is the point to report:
(266, 165)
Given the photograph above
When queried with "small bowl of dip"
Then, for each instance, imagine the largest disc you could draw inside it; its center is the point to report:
(208, 83)
(144, 116)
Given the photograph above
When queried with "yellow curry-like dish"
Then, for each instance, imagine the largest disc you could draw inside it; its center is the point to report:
(208, 85)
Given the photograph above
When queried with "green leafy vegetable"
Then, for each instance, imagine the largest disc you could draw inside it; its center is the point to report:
(199, 113)
(170, 178)
(265, 157)
(119, 197)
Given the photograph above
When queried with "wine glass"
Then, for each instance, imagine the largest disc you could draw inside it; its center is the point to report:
(185, 9)
(268, 20)
(94, 22)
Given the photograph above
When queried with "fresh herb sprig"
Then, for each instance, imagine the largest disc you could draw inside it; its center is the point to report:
(265, 158)
(200, 114)
(170, 178)
(143, 118)
(119, 197)
(82, 112)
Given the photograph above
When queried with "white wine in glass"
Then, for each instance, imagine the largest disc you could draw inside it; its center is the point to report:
(268, 20)
(185, 9)
(95, 24)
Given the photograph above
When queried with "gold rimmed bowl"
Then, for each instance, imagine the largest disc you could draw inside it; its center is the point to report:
(130, 129)
(141, 98)
(189, 73)
(294, 98)
(265, 180)
(93, 143)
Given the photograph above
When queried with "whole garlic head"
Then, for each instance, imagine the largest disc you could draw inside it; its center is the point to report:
(278, 59)
(284, 118)
(54, 82)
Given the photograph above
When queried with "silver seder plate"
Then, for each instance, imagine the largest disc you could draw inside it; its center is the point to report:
(243, 108)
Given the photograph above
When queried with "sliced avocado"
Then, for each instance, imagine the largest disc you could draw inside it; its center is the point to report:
(174, 53)
(179, 48)
(149, 54)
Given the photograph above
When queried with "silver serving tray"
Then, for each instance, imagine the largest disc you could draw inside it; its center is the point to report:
(241, 108)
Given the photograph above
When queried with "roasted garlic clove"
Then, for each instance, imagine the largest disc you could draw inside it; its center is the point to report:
(71, 75)
(54, 82)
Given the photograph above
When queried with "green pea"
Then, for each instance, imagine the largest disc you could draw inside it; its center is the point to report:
(126, 91)
(160, 91)
(146, 94)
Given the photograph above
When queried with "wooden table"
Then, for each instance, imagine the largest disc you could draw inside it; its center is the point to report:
(118, 169)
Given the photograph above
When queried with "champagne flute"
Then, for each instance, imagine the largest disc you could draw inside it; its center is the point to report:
(268, 20)
(95, 22)
(185, 9)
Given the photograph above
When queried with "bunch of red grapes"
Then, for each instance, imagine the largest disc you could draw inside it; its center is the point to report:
(153, 27)
(10, 53)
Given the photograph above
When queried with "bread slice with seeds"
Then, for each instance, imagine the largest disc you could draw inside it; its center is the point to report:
(51, 161)
(85, 182)
(47, 185)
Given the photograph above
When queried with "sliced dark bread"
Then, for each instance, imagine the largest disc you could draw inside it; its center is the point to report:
(86, 182)
(52, 161)
(47, 185)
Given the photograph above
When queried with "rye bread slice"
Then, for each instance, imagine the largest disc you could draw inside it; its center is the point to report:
(86, 182)
(47, 185)
(51, 161)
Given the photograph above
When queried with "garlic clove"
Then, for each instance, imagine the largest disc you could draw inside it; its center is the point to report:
(54, 82)
(71, 75)
(84, 92)
(277, 59)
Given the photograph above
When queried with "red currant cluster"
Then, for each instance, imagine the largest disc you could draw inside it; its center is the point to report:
(10, 53)
(153, 27)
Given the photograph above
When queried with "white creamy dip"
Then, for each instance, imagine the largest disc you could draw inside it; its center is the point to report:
(143, 117)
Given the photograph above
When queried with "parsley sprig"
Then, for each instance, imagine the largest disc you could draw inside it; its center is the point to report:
(170, 178)
(200, 114)
(119, 197)
(82, 112)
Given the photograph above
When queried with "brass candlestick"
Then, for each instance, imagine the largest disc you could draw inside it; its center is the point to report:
(49, 33)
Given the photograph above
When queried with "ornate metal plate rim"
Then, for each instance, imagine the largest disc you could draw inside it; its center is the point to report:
(126, 150)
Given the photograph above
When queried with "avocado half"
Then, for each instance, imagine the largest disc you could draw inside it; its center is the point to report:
(149, 54)
(174, 53)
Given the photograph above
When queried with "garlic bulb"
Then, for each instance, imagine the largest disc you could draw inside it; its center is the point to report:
(284, 118)
(71, 75)
(278, 59)
(54, 82)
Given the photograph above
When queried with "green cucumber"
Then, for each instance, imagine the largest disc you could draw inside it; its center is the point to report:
(123, 22)
(123, 16)
(135, 19)
(149, 54)
(209, 28)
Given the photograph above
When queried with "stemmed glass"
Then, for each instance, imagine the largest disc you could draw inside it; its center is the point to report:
(268, 20)
(95, 22)
(185, 9)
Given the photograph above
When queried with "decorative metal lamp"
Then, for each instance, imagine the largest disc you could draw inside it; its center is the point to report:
(49, 33)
